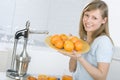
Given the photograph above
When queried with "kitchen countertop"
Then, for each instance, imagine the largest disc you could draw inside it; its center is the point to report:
(4, 77)
(43, 59)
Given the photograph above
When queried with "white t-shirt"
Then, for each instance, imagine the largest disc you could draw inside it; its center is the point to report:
(101, 51)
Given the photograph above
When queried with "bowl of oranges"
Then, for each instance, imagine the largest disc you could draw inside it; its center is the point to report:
(67, 44)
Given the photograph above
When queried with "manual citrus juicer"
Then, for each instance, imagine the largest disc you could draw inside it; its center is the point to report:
(19, 63)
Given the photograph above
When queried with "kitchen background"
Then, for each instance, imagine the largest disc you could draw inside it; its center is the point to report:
(55, 16)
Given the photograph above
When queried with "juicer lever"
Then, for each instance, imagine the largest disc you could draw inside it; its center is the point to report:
(20, 33)
(23, 32)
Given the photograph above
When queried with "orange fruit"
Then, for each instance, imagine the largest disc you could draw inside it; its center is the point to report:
(42, 77)
(31, 78)
(78, 45)
(59, 44)
(67, 77)
(73, 39)
(64, 37)
(68, 45)
(54, 38)
(52, 78)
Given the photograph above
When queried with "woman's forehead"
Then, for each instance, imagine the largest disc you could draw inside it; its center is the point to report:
(96, 12)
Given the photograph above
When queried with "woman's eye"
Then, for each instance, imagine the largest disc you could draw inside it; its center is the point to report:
(86, 15)
(94, 18)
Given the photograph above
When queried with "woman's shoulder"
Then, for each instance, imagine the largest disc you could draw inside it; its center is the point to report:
(102, 38)
(102, 42)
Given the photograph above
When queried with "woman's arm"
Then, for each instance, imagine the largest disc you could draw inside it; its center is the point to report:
(99, 72)
(72, 64)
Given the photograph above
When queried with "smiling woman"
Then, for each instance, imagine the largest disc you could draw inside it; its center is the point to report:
(93, 65)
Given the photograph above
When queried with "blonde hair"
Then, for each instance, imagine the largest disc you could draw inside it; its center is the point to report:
(103, 30)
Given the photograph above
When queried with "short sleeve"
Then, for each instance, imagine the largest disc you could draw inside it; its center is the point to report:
(104, 50)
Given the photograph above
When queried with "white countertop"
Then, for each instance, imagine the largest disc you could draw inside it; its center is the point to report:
(44, 60)
(3, 76)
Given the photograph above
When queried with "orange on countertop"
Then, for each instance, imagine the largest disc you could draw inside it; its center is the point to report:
(67, 77)
(31, 78)
(52, 78)
(42, 77)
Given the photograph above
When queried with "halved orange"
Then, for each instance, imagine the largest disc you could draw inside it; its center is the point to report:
(31, 78)
(52, 78)
(67, 77)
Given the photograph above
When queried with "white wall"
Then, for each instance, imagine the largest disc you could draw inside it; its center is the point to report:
(7, 9)
(34, 10)
(114, 20)
(15, 13)
(56, 16)
(64, 16)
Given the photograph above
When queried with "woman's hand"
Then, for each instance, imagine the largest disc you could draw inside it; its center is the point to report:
(76, 55)
(73, 54)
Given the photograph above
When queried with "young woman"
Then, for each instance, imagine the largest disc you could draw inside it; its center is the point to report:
(93, 65)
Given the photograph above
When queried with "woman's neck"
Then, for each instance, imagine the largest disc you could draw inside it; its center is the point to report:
(89, 37)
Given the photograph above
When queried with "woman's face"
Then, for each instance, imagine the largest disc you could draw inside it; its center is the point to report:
(92, 20)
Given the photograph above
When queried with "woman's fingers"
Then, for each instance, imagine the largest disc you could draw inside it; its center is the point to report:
(67, 54)
(73, 54)
(70, 34)
(76, 54)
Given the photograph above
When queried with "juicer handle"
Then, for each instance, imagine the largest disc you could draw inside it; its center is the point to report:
(20, 33)
(27, 24)
(23, 32)
(38, 32)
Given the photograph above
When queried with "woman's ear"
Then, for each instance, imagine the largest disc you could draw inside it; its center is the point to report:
(104, 20)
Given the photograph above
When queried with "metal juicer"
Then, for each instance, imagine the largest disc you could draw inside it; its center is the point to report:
(20, 62)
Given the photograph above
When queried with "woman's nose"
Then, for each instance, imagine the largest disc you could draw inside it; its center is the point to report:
(88, 19)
